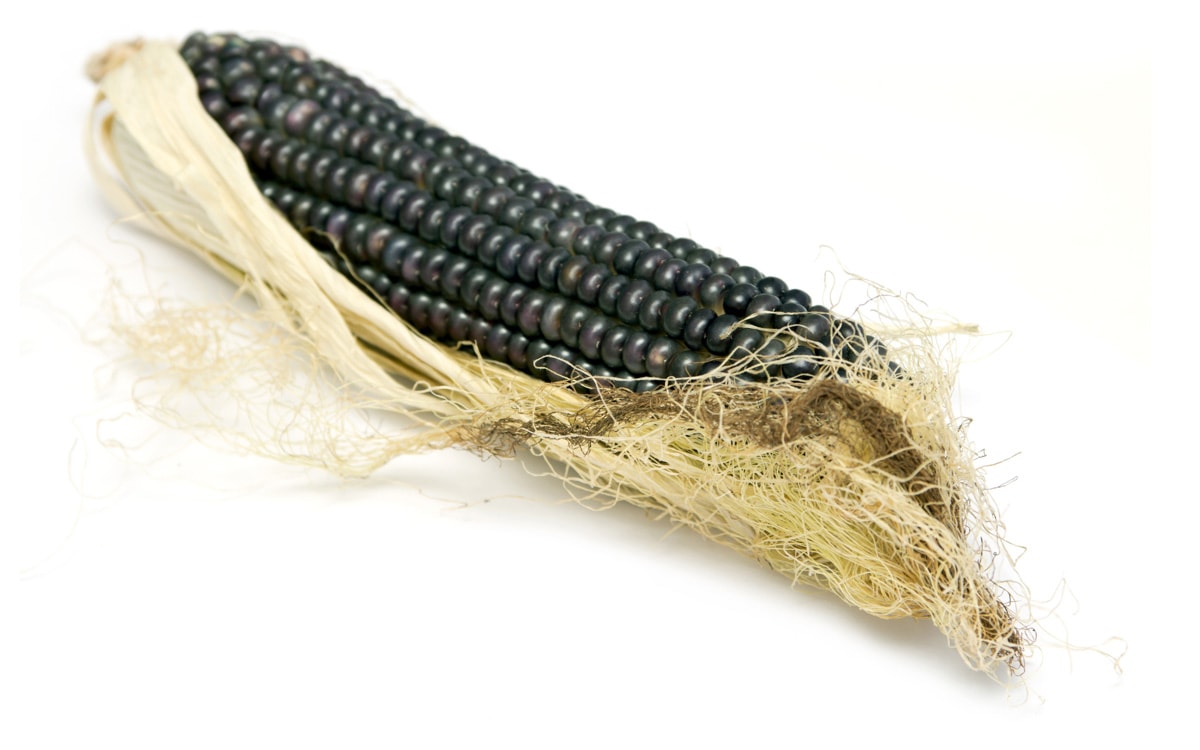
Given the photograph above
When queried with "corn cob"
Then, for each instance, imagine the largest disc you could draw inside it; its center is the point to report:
(604, 295)
(823, 466)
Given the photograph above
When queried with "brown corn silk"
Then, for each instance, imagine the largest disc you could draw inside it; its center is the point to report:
(864, 486)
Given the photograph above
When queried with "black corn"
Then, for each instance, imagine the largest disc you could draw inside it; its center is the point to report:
(469, 248)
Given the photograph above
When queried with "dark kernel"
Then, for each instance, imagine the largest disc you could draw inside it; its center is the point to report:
(510, 305)
(695, 330)
(560, 364)
(684, 364)
(717, 337)
(658, 357)
(681, 247)
(536, 221)
(651, 310)
(413, 165)
(667, 273)
(600, 217)
(558, 203)
(236, 68)
(631, 300)
(377, 188)
(633, 354)
(759, 312)
(394, 253)
(770, 350)
(744, 342)
(244, 90)
(552, 315)
(490, 296)
(702, 255)
(472, 231)
(274, 107)
(648, 262)
(627, 257)
(514, 209)
(282, 157)
(746, 275)
(620, 224)
(240, 118)
(320, 122)
(724, 264)
(788, 313)
(578, 210)
(561, 232)
(321, 211)
(641, 230)
(480, 329)
(496, 345)
(335, 181)
(493, 240)
(354, 240)
(398, 296)
(452, 226)
(803, 365)
(660, 241)
(413, 209)
(798, 296)
(430, 228)
(376, 149)
(675, 315)
(713, 289)
(610, 294)
(814, 326)
(570, 274)
(335, 136)
(502, 174)
(645, 385)
(469, 192)
(263, 149)
(607, 247)
(411, 267)
(535, 356)
(548, 269)
(437, 168)
(335, 225)
(772, 285)
(418, 310)
(518, 350)
(590, 281)
(439, 317)
(532, 255)
(529, 316)
(586, 240)
(431, 268)
(572, 322)
(472, 283)
(592, 334)
(738, 297)
(690, 277)
(377, 238)
(520, 183)
(515, 250)
(393, 201)
(613, 345)
(539, 191)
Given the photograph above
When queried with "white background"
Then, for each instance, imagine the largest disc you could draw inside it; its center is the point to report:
(996, 164)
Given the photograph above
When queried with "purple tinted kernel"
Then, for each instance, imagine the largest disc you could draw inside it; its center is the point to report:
(590, 281)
